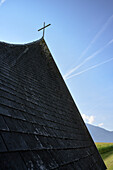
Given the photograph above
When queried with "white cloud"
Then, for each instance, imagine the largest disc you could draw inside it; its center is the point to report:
(100, 124)
(2, 1)
(88, 119)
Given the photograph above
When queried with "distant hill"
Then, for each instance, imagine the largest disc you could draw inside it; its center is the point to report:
(99, 134)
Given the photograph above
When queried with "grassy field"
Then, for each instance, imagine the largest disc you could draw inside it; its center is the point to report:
(106, 151)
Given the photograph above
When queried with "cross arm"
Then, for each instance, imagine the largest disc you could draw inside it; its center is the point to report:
(44, 27)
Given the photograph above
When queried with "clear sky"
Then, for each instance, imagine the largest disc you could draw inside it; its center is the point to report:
(80, 39)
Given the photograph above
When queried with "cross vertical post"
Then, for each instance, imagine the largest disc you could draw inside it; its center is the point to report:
(43, 28)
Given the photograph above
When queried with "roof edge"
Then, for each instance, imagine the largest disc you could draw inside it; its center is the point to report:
(29, 43)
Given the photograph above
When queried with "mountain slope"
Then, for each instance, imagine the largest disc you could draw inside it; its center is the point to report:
(99, 134)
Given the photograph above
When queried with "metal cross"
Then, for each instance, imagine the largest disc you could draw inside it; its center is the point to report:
(43, 28)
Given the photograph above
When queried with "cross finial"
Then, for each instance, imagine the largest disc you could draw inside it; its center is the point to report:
(43, 28)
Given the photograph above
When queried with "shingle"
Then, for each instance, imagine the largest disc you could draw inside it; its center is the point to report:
(40, 129)
(3, 125)
(4, 110)
(17, 114)
(14, 141)
(48, 160)
(44, 141)
(33, 160)
(29, 127)
(68, 166)
(11, 161)
(32, 142)
(11, 123)
(57, 156)
(2, 145)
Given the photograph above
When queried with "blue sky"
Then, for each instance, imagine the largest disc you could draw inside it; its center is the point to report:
(80, 39)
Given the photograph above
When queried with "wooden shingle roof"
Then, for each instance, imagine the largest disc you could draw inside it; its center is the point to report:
(40, 125)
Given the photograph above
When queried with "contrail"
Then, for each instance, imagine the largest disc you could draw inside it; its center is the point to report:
(2, 1)
(93, 40)
(88, 58)
(90, 68)
(99, 51)
(97, 35)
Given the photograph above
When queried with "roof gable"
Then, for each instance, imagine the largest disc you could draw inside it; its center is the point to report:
(41, 127)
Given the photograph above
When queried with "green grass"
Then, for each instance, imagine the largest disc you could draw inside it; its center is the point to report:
(106, 152)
